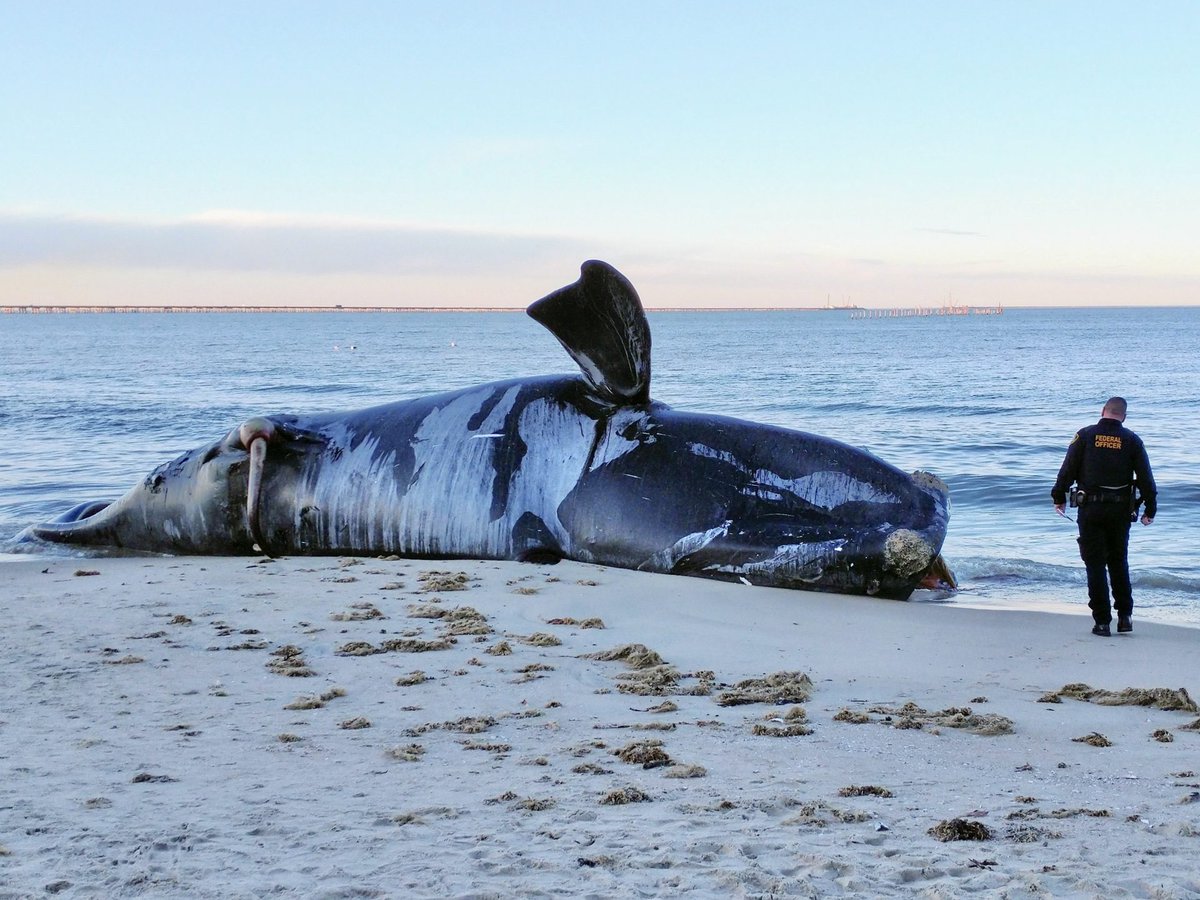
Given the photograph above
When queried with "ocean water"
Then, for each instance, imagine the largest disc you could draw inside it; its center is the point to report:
(89, 403)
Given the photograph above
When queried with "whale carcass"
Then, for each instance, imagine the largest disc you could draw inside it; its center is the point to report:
(584, 467)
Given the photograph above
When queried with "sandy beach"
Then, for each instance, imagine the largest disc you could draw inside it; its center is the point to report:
(225, 727)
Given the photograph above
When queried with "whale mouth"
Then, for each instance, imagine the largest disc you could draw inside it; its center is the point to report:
(938, 576)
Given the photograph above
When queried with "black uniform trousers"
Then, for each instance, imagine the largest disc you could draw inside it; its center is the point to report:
(1104, 546)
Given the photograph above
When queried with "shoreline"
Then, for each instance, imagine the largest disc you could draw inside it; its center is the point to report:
(157, 744)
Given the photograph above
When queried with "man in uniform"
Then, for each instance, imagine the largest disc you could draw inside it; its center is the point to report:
(1103, 460)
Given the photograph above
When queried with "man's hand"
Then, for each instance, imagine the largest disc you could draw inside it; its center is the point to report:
(1060, 508)
(1146, 520)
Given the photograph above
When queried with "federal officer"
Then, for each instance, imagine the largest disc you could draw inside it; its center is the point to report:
(1102, 462)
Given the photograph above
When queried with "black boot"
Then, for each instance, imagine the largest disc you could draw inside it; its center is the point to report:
(1101, 630)
(1124, 624)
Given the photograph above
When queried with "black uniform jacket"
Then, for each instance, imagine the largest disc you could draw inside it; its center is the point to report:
(1106, 456)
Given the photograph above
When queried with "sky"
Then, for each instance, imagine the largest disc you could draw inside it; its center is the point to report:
(725, 154)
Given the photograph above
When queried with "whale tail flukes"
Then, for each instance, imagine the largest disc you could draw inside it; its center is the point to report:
(599, 320)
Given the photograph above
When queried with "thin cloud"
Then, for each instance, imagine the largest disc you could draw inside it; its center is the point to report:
(953, 232)
(249, 242)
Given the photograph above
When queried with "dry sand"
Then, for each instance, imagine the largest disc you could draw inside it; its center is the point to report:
(342, 728)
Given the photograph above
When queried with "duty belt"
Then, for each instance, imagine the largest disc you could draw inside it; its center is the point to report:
(1107, 494)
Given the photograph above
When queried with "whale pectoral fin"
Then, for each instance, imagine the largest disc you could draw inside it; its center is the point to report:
(599, 320)
(533, 542)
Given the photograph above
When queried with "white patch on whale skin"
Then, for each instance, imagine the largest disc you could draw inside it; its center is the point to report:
(612, 445)
(825, 489)
(445, 508)
(559, 439)
(664, 560)
(794, 562)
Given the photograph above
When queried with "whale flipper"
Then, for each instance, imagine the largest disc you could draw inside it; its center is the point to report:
(599, 320)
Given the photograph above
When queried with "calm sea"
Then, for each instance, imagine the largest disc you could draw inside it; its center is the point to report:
(89, 403)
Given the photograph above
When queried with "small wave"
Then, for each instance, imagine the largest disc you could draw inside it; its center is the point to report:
(981, 570)
(993, 569)
(303, 389)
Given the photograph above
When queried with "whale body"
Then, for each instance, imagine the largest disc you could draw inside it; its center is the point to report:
(584, 467)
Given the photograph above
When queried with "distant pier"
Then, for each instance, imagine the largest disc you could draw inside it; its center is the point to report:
(907, 311)
(52, 310)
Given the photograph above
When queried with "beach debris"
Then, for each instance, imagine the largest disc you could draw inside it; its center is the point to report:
(525, 591)
(392, 586)
(465, 725)
(466, 620)
(359, 612)
(179, 619)
(980, 700)
(778, 688)
(646, 753)
(316, 701)
(960, 830)
(1030, 834)
(502, 648)
(663, 680)
(685, 771)
(540, 639)
(357, 648)
(127, 660)
(288, 738)
(1160, 698)
(1163, 736)
(981, 863)
(289, 660)
(147, 778)
(355, 724)
(912, 716)
(1191, 726)
(621, 796)
(406, 753)
(865, 790)
(819, 814)
(760, 730)
(84, 573)
(395, 645)
(1050, 697)
(636, 656)
(535, 804)
(1193, 797)
(587, 582)
(580, 623)
(591, 769)
(852, 716)
(1065, 813)
(667, 706)
(1095, 739)
(491, 747)
(439, 580)
(414, 677)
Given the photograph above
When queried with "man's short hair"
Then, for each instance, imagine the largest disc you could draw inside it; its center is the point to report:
(1117, 406)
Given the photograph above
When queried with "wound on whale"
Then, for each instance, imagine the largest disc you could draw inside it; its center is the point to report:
(584, 467)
